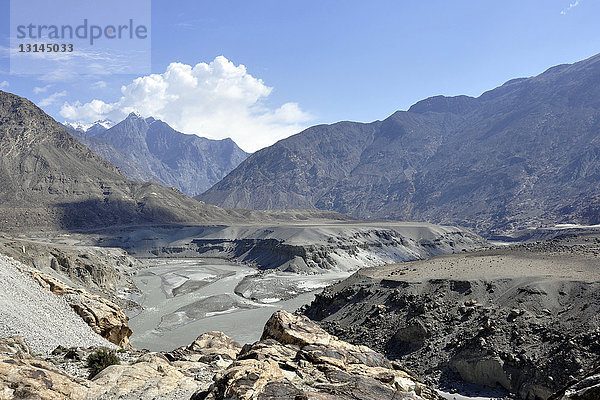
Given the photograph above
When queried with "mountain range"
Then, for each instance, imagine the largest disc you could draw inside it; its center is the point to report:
(49, 181)
(525, 154)
(146, 149)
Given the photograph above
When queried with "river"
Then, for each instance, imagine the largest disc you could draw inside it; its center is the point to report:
(183, 298)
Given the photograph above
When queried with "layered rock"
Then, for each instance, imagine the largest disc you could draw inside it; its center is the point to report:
(295, 359)
(102, 271)
(104, 317)
(210, 347)
(29, 378)
(25, 377)
(304, 246)
(149, 377)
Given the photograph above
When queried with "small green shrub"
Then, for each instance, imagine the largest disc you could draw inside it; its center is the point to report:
(101, 359)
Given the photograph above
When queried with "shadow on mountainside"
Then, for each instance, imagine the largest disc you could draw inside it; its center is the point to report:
(97, 213)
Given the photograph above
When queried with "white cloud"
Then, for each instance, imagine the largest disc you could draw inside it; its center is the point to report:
(99, 85)
(571, 6)
(215, 100)
(4, 84)
(43, 89)
(53, 98)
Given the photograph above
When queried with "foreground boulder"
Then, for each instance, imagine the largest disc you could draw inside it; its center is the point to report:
(25, 377)
(103, 316)
(63, 375)
(150, 377)
(295, 359)
(211, 347)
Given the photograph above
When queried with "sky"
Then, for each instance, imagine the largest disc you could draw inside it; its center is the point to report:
(258, 71)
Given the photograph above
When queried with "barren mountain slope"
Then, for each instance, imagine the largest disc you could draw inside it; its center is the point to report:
(521, 155)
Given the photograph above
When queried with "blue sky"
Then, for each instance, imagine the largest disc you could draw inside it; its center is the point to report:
(325, 61)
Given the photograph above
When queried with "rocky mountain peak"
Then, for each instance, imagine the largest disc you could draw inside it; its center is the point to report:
(134, 115)
(442, 104)
(148, 149)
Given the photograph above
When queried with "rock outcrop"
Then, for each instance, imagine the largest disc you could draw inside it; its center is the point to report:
(295, 359)
(103, 271)
(145, 377)
(211, 347)
(587, 388)
(151, 376)
(29, 378)
(104, 317)
(25, 377)
(14, 345)
(43, 319)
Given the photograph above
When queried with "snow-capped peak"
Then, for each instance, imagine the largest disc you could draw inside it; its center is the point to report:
(78, 125)
(85, 127)
(105, 123)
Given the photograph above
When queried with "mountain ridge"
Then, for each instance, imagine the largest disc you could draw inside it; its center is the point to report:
(521, 155)
(147, 149)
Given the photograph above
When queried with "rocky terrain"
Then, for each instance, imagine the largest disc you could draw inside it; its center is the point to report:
(99, 270)
(43, 319)
(587, 388)
(522, 317)
(104, 317)
(295, 359)
(522, 155)
(145, 149)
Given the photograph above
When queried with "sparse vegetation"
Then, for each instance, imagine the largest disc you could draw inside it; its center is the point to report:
(101, 359)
